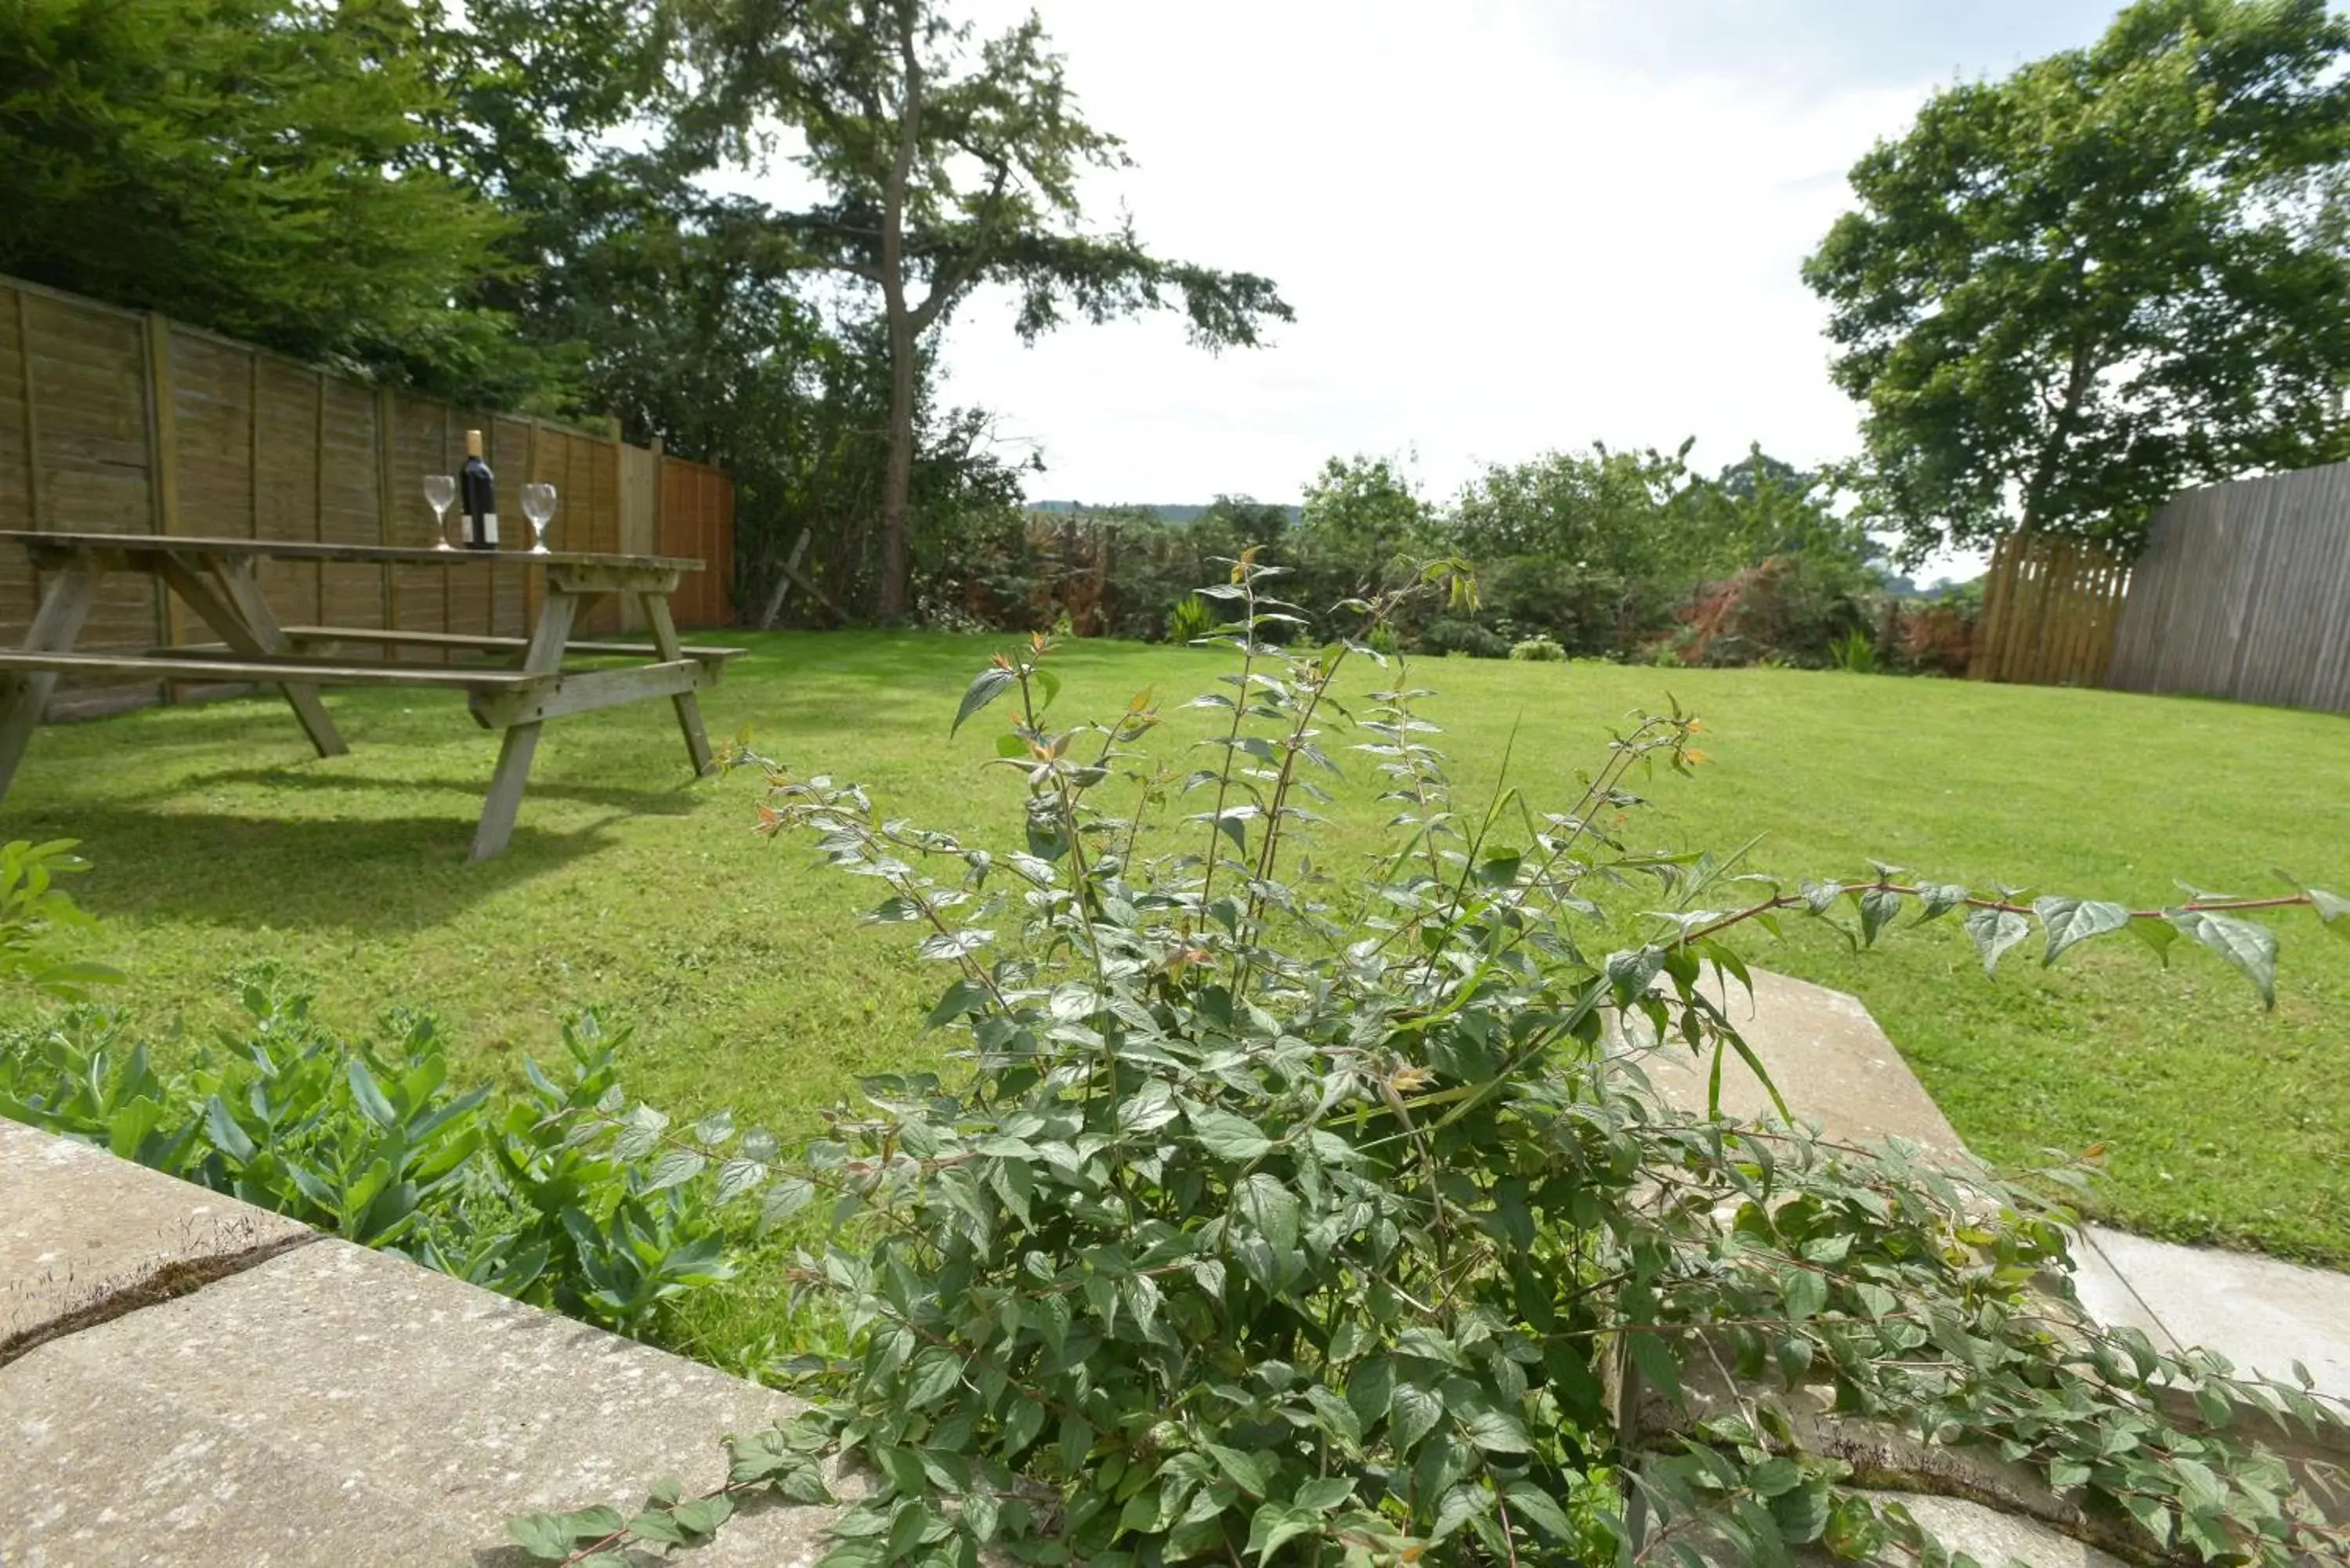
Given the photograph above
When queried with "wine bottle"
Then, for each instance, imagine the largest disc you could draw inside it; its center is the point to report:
(478, 495)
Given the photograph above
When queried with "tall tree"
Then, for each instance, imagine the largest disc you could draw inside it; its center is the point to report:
(947, 163)
(2118, 271)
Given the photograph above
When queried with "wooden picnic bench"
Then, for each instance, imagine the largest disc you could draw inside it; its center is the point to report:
(217, 579)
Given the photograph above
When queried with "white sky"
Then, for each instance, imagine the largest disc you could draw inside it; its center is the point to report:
(1505, 225)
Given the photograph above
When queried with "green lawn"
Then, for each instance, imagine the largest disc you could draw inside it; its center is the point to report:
(219, 840)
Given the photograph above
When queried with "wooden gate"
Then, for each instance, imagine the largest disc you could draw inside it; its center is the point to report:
(2050, 607)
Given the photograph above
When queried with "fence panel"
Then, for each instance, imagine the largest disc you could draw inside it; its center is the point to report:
(2243, 592)
(2050, 608)
(696, 519)
(116, 421)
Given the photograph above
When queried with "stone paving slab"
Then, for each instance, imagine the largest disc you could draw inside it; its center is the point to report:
(1988, 1536)
(2260, 1313)
(334, 1405)
(79, 1226)
(1830, 1061)
(2113, 1300)
(1836, 1067)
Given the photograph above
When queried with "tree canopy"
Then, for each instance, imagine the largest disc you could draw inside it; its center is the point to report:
(948, 161)
(262, 167)
(2119, 271)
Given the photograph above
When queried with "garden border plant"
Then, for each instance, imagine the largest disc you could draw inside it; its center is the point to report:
(1310, 1214)
(371, 1142)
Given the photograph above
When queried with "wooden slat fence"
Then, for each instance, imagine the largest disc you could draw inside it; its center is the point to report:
(118, 421)
(2050, 608)
(2244, 591)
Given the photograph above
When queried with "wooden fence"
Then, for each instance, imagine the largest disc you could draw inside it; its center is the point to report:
(2050, 607)
(116, 421)
(2244, 591)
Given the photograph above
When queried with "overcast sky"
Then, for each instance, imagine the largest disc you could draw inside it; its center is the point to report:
(1505, 225)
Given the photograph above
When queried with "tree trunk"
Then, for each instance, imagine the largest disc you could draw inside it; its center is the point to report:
(894, 600)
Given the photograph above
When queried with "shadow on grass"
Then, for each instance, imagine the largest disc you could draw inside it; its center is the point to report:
(368, 876)
(676, 800)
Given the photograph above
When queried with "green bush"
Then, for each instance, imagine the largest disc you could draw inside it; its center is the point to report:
(371, 1143)
(1856, 653)
(1458, 634)
(1301, 1213)
(1190, 619)
(1538, 651)
(35, 915)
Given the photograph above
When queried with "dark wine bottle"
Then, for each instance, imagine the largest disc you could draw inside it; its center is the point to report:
(478, 496)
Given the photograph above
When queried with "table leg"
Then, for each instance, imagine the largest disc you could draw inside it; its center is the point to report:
(543, 657)
(228, 599)
(689, 711)
(25, 695)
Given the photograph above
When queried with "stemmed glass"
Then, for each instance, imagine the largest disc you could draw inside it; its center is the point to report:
(440, 493)
(538, 506)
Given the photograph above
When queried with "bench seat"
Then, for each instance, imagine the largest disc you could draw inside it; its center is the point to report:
(193, 666)
(385, 636)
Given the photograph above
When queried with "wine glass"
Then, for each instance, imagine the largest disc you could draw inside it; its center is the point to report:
(440, 493)
(538, 506)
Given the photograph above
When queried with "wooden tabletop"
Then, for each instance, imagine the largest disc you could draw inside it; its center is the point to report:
(317, 550)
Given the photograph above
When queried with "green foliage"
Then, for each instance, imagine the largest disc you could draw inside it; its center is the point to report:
(33, 912)
(1190, 619)
(277, 165)
(1856, 653)
(947, 161)
(1363, 526)
(1538, 651)
(1604, 550)
(1795, 610)
(2117, 272)
(1453, 634)
(371, 1143)
(1294, 1212)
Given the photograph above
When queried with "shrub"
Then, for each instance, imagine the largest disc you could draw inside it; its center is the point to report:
(1190, 619)
(1855, 653)
(1538, 651)
(370, 1142)
(35, 913)
(1937, 636)
(1458, 634)
(1294, 1213)
(1789, 607)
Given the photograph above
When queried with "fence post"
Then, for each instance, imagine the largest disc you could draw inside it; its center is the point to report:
(387, 411)
(655, 528)
(162, 460)
(32, 414)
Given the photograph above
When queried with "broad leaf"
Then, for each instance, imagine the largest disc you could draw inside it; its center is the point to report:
(1528, 1501)
(1226, 1136)
(2251, 948)
(1994, 931)
(986, 689)
(1266, 1202)
(1274, 1523)
(1412, 1412)
(2071, 922)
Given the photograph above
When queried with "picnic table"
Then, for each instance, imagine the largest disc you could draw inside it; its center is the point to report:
(217, 580)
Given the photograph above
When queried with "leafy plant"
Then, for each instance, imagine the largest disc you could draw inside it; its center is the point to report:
(1190, 619)
(1300, 1213)
(371, 1143)
(1459, 634)
(1856, 653)
(33, 912)
(1538, 651)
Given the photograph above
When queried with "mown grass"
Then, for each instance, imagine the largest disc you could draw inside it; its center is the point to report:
(219, 841)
